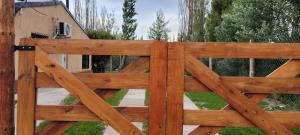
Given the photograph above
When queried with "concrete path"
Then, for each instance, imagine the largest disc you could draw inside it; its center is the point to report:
(136, 98)
(50, 96)
(132, 98)
(46, 96)
(188, 104)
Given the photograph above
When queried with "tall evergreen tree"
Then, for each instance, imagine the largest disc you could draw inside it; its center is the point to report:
(159, 30)
(129, 22)
(129, 25)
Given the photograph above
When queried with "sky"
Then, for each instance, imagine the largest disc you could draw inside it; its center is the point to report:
(146, 10)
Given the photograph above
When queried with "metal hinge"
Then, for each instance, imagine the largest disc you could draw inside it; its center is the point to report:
(24, 48)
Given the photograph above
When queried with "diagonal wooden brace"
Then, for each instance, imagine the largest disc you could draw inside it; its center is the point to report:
(140, 65)
(78, 89)
(290, 69)
(237, 100)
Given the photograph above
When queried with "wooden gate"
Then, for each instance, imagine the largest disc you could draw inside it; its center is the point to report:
(167, 81)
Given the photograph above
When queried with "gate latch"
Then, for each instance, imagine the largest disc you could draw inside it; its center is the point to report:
(24, 48)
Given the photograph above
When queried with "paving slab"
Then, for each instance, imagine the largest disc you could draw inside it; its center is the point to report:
(134, 98)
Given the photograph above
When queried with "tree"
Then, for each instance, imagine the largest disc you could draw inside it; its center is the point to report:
(129, 22)
(159, 30)
(192, 20)
(258, 21)
(129, 25)
(214, 19)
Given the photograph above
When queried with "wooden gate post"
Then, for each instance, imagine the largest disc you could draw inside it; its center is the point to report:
(175, 89)
(157, 88)
(6, 67)
(26, 93)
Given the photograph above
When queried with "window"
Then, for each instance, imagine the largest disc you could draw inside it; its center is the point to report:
(85, 61)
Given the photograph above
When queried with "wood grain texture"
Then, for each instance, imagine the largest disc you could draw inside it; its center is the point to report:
(26, 93)
(101, 80)
(58, 127)
(236, 99)
(175, 89)
(157, 88)
(243, 50)
(7, 76)
(81, 113)
(92, 47)
(140, 65)
(225, 118)
(86, 96)
(250, 85)
(287, 70)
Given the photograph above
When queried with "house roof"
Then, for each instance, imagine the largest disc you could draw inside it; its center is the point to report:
(20, 5)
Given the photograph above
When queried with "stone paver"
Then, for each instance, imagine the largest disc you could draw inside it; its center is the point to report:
(134, 98)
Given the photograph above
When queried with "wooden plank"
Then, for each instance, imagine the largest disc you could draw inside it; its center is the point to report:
(251, 85)
(92, 47)
(175, 89)
(140, 65)
(227, 118)
(236, 99)
(58, 127)
(81, 113)
(86, 96)
(157, 88)
(100, 80)
(243, 50)
(7, 69)
(26, 93)
(289, 69)
(141, 81)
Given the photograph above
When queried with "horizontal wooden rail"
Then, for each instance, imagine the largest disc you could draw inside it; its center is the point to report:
(100, 80)
(251, 85)
(141, 81)
(231, 118)
(93, 47)
(81, 113)
(243, 50)
(219, 118)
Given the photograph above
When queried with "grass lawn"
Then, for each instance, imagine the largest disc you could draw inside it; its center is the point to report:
(209, 100)
(88, 128)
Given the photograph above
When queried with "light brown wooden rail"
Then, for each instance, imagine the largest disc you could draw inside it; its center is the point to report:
(166, 82)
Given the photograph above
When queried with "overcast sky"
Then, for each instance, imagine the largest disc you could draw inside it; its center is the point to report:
(146, 10)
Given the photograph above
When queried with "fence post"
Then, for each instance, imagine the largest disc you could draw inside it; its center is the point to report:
(175, 89)
(26, 93)
(7, 77)
(157, 88)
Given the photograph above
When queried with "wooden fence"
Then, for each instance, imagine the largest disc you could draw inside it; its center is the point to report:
(166, 83)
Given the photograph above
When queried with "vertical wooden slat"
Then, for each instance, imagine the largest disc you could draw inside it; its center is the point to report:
(157, 88)
(7, 36)
(26, 93)
(175, 89)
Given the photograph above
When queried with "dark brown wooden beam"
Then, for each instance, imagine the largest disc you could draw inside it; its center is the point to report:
(7, 37)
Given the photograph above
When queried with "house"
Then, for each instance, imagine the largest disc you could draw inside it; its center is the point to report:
(44, 20)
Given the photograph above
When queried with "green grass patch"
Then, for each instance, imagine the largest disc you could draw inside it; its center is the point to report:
(88, 128)
(206, 100)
